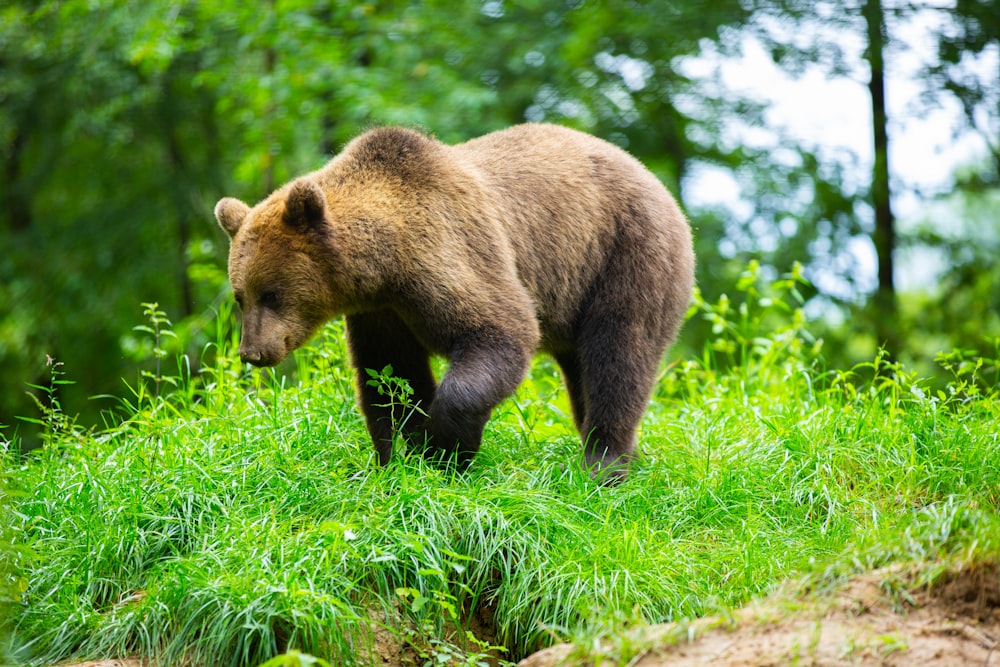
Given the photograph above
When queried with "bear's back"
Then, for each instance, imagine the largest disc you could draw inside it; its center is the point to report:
(570, 203)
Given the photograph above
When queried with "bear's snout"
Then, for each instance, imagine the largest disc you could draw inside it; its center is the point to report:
(265, 340)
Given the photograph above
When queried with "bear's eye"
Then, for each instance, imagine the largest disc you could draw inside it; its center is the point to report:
(270, 299)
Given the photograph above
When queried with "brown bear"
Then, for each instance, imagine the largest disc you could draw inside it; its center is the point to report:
(536, 237)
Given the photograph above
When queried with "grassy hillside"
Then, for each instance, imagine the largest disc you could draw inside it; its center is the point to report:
(239, 515)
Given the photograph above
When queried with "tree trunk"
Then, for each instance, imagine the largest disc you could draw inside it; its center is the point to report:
(16, 205)
(884, 236)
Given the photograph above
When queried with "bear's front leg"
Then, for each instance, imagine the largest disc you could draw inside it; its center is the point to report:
(483, 372)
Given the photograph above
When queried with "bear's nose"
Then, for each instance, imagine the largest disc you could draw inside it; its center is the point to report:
(254, 357)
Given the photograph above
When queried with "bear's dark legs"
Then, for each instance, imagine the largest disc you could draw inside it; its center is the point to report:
(377, 340)
(483, 372)
(618, 362)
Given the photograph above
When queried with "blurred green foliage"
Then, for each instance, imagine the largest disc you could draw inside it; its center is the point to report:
(121, 124)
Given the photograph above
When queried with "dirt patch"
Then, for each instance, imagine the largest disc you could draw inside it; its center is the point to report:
(415, 649)
(883, 618)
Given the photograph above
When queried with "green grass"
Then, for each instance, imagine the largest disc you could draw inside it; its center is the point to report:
(238, 515)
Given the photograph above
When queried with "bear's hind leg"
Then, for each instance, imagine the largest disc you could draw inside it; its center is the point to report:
(381, 339)
(619, 361)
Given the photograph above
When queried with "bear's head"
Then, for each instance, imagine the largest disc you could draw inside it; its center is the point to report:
(278, 266)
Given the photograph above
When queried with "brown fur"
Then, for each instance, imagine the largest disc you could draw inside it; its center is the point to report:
(533, 238)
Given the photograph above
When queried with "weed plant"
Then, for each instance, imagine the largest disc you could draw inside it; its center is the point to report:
(229, 516)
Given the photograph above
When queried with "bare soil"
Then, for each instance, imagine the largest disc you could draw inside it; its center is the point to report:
(880, 618)
(883, 618)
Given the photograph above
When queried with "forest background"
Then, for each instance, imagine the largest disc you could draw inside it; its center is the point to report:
(122, 123)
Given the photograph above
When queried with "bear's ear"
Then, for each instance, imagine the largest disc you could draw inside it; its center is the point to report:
(305, 206)
(231, 213)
